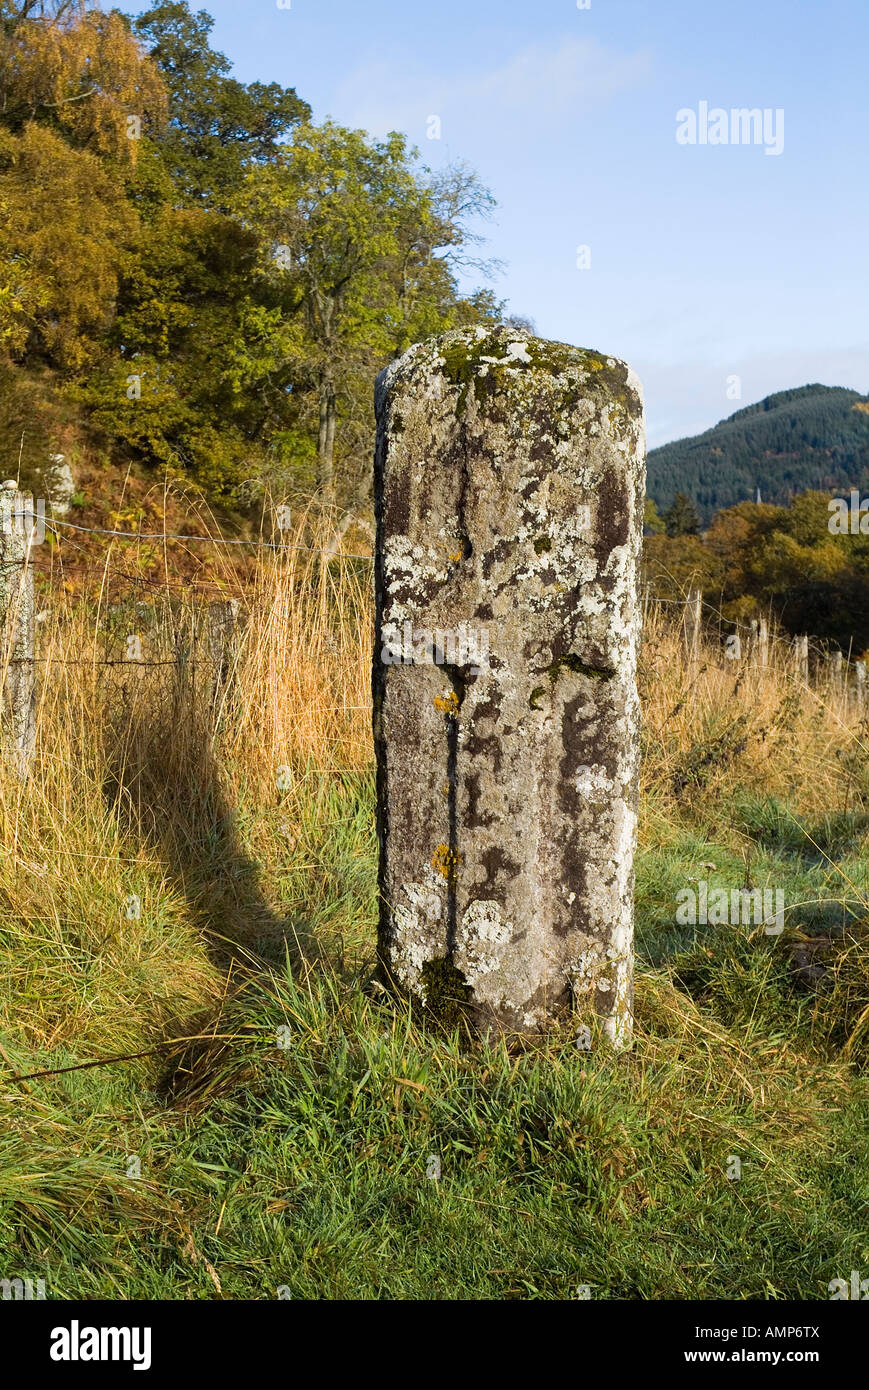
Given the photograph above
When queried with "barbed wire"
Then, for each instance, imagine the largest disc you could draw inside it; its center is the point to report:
(750, 627)
(213, 540)
(187, 585)
(277, 546)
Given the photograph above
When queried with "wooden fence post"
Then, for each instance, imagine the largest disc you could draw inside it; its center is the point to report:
(17, 625)
(692, 623)
(759, 643)
(223, 629)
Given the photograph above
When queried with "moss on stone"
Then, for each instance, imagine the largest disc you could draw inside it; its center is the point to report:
(581, 668)
(465, 365)
(459, 370)
(446, 992)
(474, 363)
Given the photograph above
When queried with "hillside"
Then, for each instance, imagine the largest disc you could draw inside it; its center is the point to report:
(812, 437)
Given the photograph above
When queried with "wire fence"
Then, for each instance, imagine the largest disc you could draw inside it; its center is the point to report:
(208, 637)
(213, 540)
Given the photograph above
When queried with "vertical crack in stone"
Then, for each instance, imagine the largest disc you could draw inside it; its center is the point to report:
(451, 718)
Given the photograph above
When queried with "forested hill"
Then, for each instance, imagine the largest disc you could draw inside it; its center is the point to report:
(811, 437)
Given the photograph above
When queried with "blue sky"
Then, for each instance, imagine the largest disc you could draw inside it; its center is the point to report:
(707, 262)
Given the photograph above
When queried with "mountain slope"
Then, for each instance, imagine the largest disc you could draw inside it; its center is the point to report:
(812, 437)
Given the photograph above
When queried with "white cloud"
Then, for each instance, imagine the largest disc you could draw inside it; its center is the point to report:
(537, 86)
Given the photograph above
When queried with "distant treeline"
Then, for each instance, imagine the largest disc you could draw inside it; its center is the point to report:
(755, 559)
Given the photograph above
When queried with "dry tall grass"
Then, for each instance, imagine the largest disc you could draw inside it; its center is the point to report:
(167, 840)
(124, 866)
(159, 823)
(712, 723)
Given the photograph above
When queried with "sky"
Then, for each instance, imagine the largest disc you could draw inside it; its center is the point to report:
(721, 272)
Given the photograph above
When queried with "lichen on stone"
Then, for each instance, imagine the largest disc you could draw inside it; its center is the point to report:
(510, 500)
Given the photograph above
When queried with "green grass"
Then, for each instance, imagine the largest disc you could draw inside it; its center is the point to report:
(290, 1147)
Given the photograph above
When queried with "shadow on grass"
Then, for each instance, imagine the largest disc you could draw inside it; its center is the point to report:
(165, 789)
(774, 827)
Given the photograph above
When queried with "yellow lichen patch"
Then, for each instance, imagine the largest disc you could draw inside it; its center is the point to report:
(447, 704)
(444, 861)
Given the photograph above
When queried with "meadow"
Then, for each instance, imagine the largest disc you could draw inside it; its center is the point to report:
(227, 1105)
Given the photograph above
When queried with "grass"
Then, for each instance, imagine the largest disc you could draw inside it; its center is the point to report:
(194, 878)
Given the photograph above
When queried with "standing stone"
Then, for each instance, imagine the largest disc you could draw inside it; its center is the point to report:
(509, 489)
(17, 626)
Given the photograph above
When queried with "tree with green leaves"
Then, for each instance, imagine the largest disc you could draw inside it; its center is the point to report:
(682, 519)
(653, 522)
(206, 279)
(217, 125)
(70, 77)
(350, 233)
(80, 72)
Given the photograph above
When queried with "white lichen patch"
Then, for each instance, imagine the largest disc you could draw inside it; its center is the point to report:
(417, 928)
(585, 971)
(593, 782)
(481, 938)
(485, 953)
(518, 352)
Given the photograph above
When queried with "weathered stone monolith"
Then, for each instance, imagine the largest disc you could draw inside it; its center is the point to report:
(509, 487)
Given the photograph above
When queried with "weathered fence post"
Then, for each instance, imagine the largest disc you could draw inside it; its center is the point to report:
(860, 688)
(801, 655)
(692, 624)
(836, 670)
(759, 643)
(509, 487)
(17, 625)
(223, 625)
